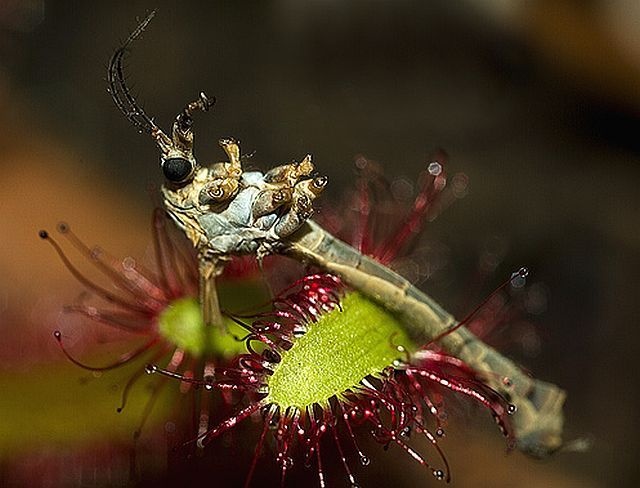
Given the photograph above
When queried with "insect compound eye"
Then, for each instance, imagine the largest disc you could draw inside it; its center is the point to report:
(176, 170)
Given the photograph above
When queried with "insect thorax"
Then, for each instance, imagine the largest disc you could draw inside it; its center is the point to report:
(252, 218)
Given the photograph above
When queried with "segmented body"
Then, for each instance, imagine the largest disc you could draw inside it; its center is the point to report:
(232, 228)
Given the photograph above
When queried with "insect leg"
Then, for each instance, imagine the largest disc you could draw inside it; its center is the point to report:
(209, 268)
(301, 209)
(182, 132)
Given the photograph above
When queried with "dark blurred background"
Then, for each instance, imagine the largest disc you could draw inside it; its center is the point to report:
(537, 102)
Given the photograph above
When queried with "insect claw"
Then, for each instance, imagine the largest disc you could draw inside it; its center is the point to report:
(290, 173)
(205, 102)
(318, 184)
(305, 168)
(281, 174)
(232, 149)
(269, 200)
(227, 141)
(183, 124)
(311, 188)
(301, 209)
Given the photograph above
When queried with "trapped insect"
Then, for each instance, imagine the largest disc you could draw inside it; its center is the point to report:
(226, 211)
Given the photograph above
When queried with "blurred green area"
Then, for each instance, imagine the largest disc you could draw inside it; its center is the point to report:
(60, 406)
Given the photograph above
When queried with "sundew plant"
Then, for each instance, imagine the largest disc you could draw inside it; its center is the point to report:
(327, 364)
(158, 306)
(351, 348)
(324, 364)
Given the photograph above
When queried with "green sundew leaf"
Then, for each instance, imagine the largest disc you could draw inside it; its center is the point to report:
(336, 353)
(181, 322)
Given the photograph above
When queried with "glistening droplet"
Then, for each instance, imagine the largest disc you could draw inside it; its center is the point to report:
(434, 168)
(519, 278)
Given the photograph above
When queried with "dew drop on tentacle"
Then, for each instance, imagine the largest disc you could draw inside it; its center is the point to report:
(365, 461)
(519, 278)
(438, 474)
(434, 168)
(150, 368)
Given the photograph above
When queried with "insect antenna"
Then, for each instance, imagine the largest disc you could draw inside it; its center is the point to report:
(182, 133)
(121, 94)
